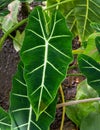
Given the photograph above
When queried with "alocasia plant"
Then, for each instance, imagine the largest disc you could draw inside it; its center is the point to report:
(91, 69)
(22, 115)
(45, 57)
(79, 14)
(46, 54)
(5, 121)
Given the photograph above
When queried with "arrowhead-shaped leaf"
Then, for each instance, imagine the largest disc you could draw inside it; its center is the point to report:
(91, 69)
(22, 115)
(5, 121)
(86, 11)
(79, 14)
(46, 54)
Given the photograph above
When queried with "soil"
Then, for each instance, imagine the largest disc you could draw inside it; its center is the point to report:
(9, 59)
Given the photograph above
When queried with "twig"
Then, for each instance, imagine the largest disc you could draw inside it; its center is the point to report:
(75, 74)
(77, 102)
(63, 113)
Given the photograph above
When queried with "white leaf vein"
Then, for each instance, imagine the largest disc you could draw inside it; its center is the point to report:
(20, 82)
(91, 66)
(19, 95)
(31, 49)
(59, 51)
(55, 68)
(35, 33)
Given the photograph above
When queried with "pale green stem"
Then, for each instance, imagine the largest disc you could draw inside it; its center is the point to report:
(76, 74)
(59, 3)
(11, 30)
(77, 102)
(77, 51)
(63, 113)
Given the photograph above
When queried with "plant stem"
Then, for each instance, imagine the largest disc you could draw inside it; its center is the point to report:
(76, 74)
(11, 30)
(77, 102)
(63, 113)
(72, 67)
(59, 3)
(78, 51)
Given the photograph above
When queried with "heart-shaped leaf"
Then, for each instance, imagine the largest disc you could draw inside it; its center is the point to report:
(46, 54)
(78, 112)
(91, 122)
(91, 69)
(22, 115)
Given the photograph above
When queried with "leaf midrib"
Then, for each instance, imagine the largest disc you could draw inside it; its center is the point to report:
(85, 22)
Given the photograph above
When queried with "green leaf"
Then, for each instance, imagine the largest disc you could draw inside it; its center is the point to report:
(96, 26)
(5, 121)
(3, 7)
(22, 115)
(29, 1)
(79, 14)
(84, 91)
(4, 3)
(11, 19)
(46, 54)
(91, 69)
(91, 122)
(78, 112)
(86, 11)
(18, 40)
(91, 49)
(97, 40)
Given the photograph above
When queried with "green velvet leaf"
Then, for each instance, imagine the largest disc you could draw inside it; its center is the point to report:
(97, 40)
(5, 121)
(23, 117)
(91, 122)
(96, 26)
(91, 69)
(67, 9)
(86, 11)
(79, 14)
(92, 47)
(46, 54)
